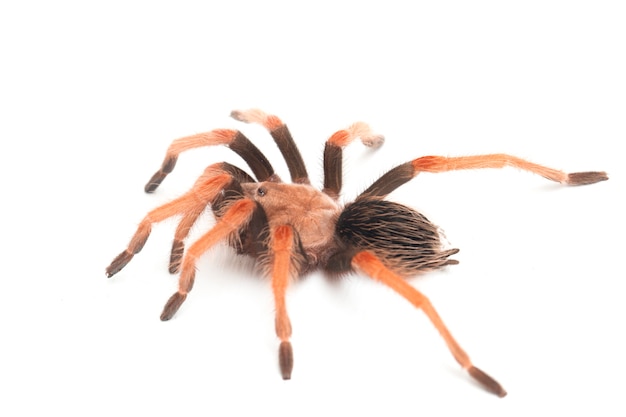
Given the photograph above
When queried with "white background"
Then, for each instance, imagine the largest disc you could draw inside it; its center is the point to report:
(92, 94)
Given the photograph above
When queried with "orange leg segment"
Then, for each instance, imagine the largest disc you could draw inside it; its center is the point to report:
(235, 218)
(268, 121)
(372, 266)
(182, 231)
(407, 171)
(359, 130)
(333, 153)
(214, 137)
(282, 249)
(443, 164)
(204, 191)
(234, 139)
(192, 212)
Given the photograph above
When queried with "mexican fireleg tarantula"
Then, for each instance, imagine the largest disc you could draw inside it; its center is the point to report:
(294, 228)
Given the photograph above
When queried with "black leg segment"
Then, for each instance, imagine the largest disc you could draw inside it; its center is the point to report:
(333, 160)
(255, 159)
(390, 181)
(292, 155)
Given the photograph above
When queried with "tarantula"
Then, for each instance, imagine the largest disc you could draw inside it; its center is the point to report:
(293, 228)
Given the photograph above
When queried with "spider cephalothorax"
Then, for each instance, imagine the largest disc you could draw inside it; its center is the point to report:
(293, 228)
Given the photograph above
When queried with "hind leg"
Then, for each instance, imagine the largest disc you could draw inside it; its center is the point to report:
(373, 267)
(434, 164)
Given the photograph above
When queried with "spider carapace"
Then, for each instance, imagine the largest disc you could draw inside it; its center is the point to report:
(293, 228)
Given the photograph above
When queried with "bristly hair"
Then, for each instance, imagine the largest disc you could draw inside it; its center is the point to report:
(405, 240)
(298, 261)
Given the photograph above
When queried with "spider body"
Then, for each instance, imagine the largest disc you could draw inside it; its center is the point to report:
(311, 213)
(294, 228)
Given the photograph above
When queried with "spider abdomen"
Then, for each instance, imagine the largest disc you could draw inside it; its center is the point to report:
(404, 239)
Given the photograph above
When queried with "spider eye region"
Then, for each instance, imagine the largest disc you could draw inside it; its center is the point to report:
(261, 191)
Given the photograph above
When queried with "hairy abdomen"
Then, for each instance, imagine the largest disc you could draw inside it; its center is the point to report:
(405, 240)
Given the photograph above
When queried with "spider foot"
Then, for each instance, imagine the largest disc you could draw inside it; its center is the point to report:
(269, 121)
(373, 141)
(285, 359)
(488, 382)
(118, 263)
(368, 137)
(249, 116)
(172, 305)
(585, 178)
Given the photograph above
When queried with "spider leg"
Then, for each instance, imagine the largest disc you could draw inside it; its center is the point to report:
(405, 172)
(233, 139)
(182, 231)
(333, 154)
(372, 266)
(191, 215)
(203, 192)
(281, 135)
(233, 219)
(282, 249)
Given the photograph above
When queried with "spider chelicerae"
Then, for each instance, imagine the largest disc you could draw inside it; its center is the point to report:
(293, 228)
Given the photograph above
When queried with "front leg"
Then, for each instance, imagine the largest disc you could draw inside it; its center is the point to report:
(204, 191)
(282, 248)
(189, 218)
(237, 216)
